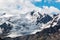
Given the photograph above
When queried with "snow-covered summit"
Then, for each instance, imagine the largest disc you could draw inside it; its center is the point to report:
(28, 23)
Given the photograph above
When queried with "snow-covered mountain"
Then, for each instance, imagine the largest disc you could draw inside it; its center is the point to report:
(12, 25)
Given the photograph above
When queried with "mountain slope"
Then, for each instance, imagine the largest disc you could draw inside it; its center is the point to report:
(51, 33)
(27, 24)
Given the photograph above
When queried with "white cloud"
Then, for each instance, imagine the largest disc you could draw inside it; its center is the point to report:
(49, 10)
(10, 5)
(38, 0)
(57, 0)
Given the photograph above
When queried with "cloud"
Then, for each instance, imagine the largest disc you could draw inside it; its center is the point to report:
(10, 5)
(37, 0)
(21, 6)
(57, 0)
(49, 10)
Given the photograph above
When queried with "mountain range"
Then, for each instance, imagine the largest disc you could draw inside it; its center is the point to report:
(30, 26)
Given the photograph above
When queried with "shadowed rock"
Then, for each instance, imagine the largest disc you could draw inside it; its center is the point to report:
(6, 27)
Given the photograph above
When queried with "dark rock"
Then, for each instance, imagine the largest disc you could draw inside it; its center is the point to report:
(44, 20)
(32, 13)
(6, 28)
